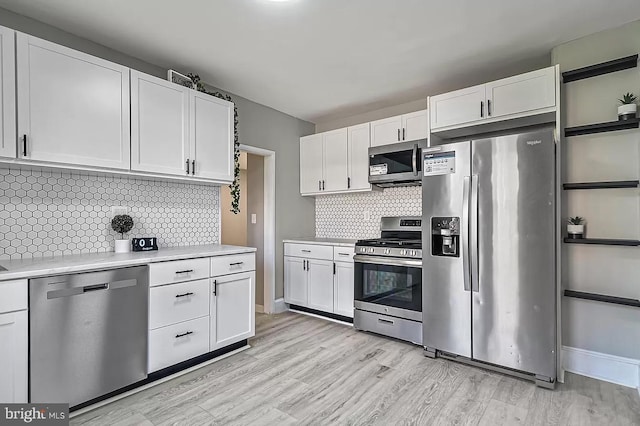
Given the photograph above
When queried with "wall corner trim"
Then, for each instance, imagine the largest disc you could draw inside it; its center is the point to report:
(280, 306)
(610, 368)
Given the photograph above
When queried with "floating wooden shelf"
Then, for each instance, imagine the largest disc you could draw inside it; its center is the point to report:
(610, 126)
(603, 241)
(603, 298)
(600, 69)
(603, 185)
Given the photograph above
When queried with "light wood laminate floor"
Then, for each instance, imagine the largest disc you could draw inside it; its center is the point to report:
(304, 370)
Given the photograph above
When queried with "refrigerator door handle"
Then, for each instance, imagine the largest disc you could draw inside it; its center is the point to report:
(464, 234)
(475, 269)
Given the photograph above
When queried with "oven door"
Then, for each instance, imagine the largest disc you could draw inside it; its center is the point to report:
(396, 164)
(388, 285)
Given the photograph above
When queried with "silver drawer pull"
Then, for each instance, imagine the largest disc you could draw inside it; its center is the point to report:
(184, 294)
(386, 321)
(236, 263)
(186, 271)
(306, 251)
(183, 334)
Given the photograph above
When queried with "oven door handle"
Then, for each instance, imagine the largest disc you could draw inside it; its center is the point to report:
(389, 261)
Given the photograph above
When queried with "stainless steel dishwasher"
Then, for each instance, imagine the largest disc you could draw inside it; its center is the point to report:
(88, 334)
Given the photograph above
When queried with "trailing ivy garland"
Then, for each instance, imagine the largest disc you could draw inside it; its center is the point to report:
(235, 185)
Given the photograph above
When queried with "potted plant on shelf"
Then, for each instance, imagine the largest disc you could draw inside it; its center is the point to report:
(575, 228)
(122, 224)
(628, 107)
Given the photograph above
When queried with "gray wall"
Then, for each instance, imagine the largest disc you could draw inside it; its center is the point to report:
(259, 126)
(255, 205)
(595, 326)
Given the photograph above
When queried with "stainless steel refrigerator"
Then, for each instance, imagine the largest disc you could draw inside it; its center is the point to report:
(489, 281)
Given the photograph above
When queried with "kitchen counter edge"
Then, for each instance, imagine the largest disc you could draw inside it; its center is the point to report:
(322, 241)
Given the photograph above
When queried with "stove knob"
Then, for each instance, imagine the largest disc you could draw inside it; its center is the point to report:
(371, 250)
(387, 251)
(402, 252)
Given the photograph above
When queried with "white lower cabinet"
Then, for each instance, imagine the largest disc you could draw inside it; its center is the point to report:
(178, 342)
(319, 277)
(343, 289)
(14, 335)
(320, 284)
(232, 309)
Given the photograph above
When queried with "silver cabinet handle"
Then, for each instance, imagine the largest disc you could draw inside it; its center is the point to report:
(186, 271)
(473, 240)
(183, 295)
(464, 235)
(183, 334)
(385, 321)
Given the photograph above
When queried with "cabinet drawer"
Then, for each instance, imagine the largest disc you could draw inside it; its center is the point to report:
(309, 250)
(179, 342)
(343, 254)
(173, 303)
(178, 271)
(13, 295)
(232, 264)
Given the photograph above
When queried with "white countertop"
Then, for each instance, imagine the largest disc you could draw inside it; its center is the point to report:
(323, 241)
(58, 265)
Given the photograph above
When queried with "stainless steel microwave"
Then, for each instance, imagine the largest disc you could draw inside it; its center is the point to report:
(397, 164)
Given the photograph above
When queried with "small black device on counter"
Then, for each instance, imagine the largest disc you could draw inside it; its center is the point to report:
(144, 244)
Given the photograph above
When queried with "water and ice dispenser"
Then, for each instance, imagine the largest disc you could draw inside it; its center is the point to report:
(445, 236)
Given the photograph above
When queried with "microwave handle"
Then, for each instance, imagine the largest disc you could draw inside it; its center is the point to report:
(414, 159)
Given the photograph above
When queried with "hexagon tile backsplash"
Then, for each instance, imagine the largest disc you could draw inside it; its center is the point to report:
(47, 213)
(342, 216)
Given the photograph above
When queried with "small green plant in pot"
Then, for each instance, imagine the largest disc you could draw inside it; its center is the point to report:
(575, 228)
(122, 224)
(628, 108)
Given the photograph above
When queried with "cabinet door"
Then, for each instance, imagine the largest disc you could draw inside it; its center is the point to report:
(335, 160)
(386, 131)
(459, 107)
(525, 92)
(234, 317)
(295, 281)
(320, 284)
(343, 289)
(358, 153)
(73, 108)
(13, 357)
(415, 126)
(159, 125)
(7, 93)
(311, 159)
(211, 137)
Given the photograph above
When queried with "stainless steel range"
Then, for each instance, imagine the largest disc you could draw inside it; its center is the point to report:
(388, 280)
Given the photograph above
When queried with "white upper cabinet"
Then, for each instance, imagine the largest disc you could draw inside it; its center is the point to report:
(73, 108)
(159, 125)
(211, 137)
(335, 160)
(402, 128)
(311, 167)
(461, 106)
(386, 131)
(7, 93)
(525, 92)
(514, 97)
(415, 126)
(358, 142)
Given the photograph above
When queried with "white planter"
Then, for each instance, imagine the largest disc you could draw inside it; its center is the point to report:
(575, 231)
(628, 111)
(123, 246)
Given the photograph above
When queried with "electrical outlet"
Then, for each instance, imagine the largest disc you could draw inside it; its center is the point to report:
(116, 210)
(367, 215)
(254, 218)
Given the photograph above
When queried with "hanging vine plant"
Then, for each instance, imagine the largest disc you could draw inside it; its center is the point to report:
(235, 185)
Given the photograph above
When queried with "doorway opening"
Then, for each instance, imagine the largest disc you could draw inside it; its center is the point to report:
(254, 225)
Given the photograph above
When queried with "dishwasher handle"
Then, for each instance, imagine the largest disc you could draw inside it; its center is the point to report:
(96, 287)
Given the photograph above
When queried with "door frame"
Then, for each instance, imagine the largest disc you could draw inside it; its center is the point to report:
(269, 248)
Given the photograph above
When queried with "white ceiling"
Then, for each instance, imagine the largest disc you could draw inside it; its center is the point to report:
(319, 59)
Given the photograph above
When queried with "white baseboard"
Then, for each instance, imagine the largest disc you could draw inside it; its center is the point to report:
(280, 307)
(610, 368)
(259, 309)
